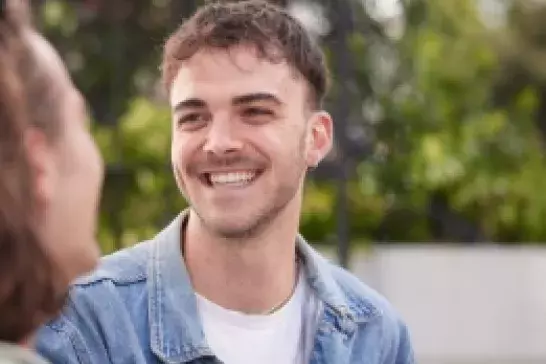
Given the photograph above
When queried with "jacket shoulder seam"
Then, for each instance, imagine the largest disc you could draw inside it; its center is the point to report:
(117, 281)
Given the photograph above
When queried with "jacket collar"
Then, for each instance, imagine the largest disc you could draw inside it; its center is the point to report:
(176, 333)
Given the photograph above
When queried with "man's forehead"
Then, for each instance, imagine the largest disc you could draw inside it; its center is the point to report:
(227, 73)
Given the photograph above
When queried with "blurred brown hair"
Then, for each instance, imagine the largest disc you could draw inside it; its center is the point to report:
(268, 28)
(28, 292)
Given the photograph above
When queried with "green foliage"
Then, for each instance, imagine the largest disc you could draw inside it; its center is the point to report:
(139, 193)
(442, 133)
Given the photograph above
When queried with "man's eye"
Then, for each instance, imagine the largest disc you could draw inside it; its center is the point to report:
(191, 120)
(253, 111)
(257, 115)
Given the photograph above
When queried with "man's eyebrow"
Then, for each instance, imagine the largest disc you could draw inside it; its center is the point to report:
(193, 102)
(190, 103)
(257, 96)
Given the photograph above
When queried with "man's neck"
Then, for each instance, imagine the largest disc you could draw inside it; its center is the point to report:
(250, 276)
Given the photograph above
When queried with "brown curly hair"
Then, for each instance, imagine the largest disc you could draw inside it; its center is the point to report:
(271, 30)
(28, 286)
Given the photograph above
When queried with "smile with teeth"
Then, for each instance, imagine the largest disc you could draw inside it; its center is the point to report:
(231, 178)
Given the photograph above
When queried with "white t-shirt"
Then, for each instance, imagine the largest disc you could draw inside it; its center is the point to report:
(284, 337)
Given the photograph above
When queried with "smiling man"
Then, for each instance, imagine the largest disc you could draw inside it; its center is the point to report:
(230, 280)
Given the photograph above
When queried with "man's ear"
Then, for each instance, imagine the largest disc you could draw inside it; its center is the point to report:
(321, 136)
(41, 157)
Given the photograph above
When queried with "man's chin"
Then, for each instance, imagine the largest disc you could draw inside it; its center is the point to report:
(233, 224)
(233, 232)
(230, 227)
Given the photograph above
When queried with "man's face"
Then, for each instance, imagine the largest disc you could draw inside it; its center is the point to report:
(243, 138)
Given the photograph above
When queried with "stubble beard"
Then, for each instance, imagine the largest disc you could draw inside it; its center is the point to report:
(284, 194)
(257, 224)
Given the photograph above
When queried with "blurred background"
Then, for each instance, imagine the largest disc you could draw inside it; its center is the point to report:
(435, 193)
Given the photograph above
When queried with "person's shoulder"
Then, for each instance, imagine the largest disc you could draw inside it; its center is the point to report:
(99, 306)
(363, 302)
(124, 267)
(361, 296)
(104, 294)
(110, 289)
(380, 317)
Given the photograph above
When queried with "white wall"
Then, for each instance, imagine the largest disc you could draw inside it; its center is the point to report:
(465, 305)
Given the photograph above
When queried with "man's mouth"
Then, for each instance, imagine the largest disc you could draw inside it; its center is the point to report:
(231, 178)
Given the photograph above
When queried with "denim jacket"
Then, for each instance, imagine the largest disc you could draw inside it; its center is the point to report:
(139, 307)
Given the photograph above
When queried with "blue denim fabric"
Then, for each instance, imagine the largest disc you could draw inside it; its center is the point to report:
(139, 307)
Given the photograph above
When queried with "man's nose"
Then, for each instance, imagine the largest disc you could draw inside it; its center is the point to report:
(222, 137)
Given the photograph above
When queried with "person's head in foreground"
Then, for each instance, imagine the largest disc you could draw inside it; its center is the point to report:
(50, 176)
(230, 279)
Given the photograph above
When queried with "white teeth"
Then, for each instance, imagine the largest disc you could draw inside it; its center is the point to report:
(232, 177)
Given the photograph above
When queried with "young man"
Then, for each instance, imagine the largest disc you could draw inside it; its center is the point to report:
(230, 280)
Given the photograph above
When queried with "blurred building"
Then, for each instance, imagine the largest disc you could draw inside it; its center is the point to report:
(464, 305)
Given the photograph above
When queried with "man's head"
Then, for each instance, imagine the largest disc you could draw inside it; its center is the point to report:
(269, 30)
(246, 83)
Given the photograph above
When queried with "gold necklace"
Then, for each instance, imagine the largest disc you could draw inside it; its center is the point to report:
(287, 299)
